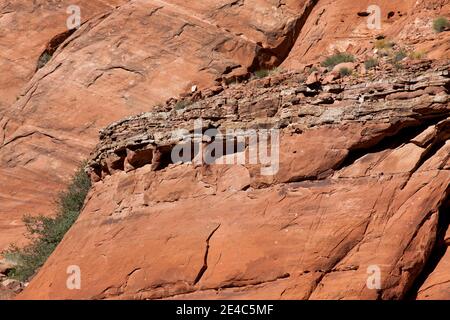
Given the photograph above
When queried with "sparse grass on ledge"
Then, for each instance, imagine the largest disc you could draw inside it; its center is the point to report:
(182, 104)
(440, 24)
(336, 59)
(371, 63)
(344, 72)
(46, 233)
(384, 44)
(262, 73)
(417, 55)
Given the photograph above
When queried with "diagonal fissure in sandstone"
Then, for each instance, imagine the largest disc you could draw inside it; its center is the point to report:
(205, 259)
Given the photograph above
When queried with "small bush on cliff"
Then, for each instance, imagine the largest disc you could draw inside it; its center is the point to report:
(417, 55)
(440, 24)
(336, 59)
(384, 44)
(46, 233)
(313, 69)
(43, 60)
(344, 72)
(182, 104)
(371, 63)
(400, 55)
(262, 73)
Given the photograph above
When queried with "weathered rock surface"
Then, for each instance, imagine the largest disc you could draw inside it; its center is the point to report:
(363, 183)
(129, 55)
(26, 29)
(9, 288)
(121, 61)
(342, 25)
(363, 175)
(5, 293)
(4, 266)
(437, 285)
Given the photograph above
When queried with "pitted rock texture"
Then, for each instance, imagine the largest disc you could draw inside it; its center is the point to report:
(363, 182)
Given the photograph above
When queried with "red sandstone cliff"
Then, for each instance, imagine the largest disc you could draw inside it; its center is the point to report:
(361, 182)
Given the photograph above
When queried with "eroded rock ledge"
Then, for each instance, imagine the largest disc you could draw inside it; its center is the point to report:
(363, 185)
(384, 105)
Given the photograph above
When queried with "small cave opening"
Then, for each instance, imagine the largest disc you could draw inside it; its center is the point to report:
(363, 14)
(218, 147)
(165, 159)
(51, 48)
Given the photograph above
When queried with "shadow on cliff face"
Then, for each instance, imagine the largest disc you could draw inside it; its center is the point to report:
(400, 134)
(273, 57)
(51, 48)
(440, 248)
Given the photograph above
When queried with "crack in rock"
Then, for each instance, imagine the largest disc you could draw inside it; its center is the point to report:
(205, 260)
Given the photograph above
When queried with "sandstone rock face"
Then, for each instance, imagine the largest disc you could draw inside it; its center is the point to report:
(341, 25)
(362, 180)
(129, 55)
(362, 191)
(436, 286)
(126, 57)
(26, 28)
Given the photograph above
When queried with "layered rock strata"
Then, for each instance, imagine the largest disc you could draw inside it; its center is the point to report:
(357, 210)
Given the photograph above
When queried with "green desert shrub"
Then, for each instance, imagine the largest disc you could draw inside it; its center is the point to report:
(384, 44)
(182, 104)
(336, 59)
(262, 73)
(399, 55)
(45, 233)
(344, 72)
(417, 55)
(440, 24)
(43, 60)
(371, 63)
